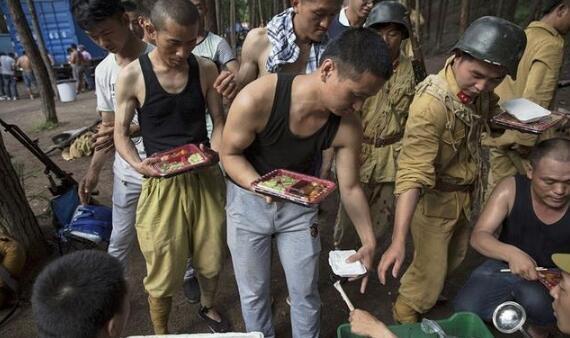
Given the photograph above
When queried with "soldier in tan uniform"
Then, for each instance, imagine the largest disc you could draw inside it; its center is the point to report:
(537, 78)
(440, 161)
(383, 119)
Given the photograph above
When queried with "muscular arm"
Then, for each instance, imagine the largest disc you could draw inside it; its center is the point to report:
(484, 236)
(247, 116)
(347, 145)
(214, 103)
(127, 102)
(254, 45)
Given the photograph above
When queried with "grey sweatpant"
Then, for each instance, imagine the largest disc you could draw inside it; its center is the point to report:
(251, 223)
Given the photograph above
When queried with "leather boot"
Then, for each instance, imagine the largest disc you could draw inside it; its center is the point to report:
(159, 312)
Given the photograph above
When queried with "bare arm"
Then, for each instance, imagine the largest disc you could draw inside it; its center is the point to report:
(127, 101)
(229, 83)
(484, 240)
(246, 118)
(347, 145)
(233, 66)
(100, 156)
(213, 101)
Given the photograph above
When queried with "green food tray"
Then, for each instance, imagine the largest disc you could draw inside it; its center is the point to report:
(461, 324)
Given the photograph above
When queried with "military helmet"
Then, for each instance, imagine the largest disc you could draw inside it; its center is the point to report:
(495, 41)
(390, 12)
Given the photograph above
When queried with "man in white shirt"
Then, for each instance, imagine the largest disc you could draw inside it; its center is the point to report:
(8, 82)
(109, 28)
(353, 15)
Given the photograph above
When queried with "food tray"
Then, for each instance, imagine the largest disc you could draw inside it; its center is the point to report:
(506, 120)
(291, 186)
(550, 278)
(184, 158)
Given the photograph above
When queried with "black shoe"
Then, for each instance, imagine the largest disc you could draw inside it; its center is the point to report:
(215, 326)
(192, 290)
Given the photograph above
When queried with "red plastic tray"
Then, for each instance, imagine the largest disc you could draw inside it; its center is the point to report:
(291, 186)
(550, 278)
(184, 158)
(508, 121)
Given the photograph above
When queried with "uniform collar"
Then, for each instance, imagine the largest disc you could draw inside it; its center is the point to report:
(546, 27)
(449, 76)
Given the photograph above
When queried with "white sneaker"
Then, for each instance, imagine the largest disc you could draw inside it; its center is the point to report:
(3, 98)
(14, 98)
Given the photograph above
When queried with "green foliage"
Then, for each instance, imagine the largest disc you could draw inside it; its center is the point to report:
(44, 126)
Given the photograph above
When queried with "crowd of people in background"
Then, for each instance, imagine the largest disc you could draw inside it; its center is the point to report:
(336, 85)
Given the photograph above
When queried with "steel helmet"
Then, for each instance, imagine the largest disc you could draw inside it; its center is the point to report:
(495, 41)
(390, 12)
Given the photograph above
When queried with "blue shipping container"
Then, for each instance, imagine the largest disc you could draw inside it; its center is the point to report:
(57, 26)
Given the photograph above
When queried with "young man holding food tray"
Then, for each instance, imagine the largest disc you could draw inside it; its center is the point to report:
(181, 214)
(290, 120)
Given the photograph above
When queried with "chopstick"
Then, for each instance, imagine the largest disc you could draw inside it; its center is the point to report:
(538, 268)
(343, 295)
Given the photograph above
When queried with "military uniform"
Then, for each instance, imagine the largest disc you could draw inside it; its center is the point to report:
(383, 119)
(441, 156)
(537, 78)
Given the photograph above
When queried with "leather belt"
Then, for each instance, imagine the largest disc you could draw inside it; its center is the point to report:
(382, 142)
(451, 187)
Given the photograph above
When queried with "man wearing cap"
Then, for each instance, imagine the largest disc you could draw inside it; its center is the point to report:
(353, 15)
(440, 161)
(537, 79)
(561, 293)
(383, 120)
(531, 217)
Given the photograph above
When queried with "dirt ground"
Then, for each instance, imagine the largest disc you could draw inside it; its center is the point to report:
(377, 300)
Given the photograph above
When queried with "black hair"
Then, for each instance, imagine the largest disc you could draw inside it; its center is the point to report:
(77, 294)
(183, 12)
(550, 5)
(73, 46)
(360, 50)
(88, 13)
(558, 148)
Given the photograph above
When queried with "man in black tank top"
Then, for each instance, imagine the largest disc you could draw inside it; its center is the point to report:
(533, 216)
(283, 121)
(183, 215)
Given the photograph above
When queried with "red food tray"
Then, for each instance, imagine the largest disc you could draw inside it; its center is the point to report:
(291, 186)
(508, 121)
(184, 158)
(550, 278)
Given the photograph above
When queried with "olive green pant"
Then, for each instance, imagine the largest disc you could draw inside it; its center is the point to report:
(440, 245)
(177, 217)
(380, 198)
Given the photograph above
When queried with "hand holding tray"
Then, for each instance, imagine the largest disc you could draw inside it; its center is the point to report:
(298, 188)
(184, 158)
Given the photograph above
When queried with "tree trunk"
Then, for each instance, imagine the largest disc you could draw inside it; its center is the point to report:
(508, 9)
(428, 21)
(276, 8)
(233, 40)
(42, 46)
(417, 21)
(534, 13)
(16, 217)
(218, 17)
(211, 24)
(285, 4)
(463, 15)
(251, 4)
(38, 66)
(261, 17)
(440, 23)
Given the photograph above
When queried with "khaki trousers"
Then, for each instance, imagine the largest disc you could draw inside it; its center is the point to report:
(179, 217)
(440, 245)
(380, 197)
